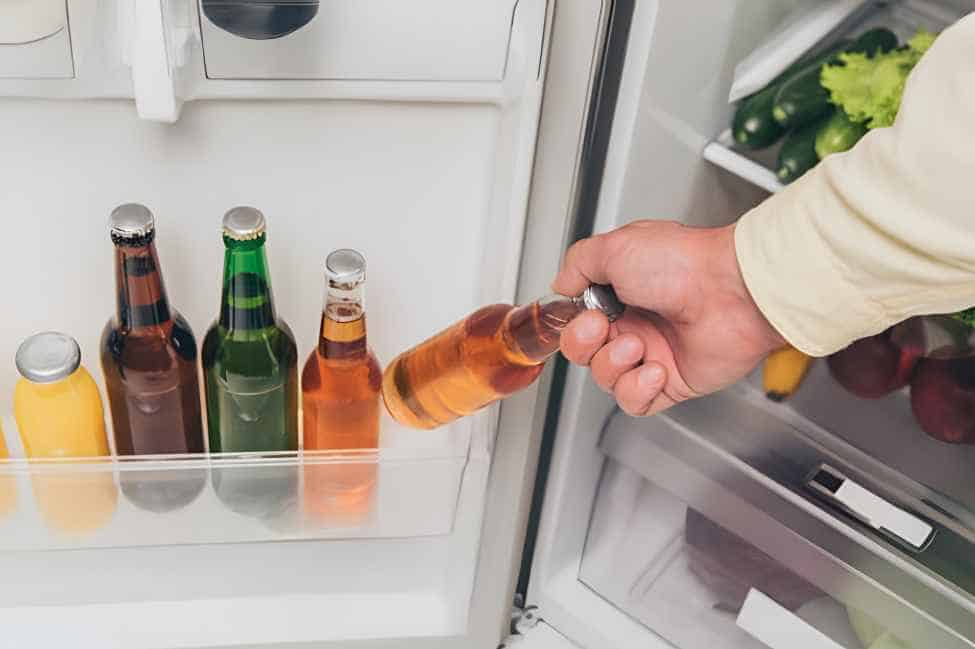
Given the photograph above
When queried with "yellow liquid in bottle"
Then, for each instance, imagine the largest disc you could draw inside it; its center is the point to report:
(8, 483)
(61, 419)
(65, 419)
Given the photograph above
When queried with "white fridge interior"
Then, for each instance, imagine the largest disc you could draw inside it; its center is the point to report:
(706, 526)
(413, 132)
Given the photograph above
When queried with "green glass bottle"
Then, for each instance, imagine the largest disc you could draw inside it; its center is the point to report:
(250, 359)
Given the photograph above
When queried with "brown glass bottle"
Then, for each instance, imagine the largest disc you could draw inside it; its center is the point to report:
(493, 353)
(148, 350)
(340, 388)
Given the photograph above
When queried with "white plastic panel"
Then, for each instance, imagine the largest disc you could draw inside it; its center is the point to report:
(35, 40)
(26, 21)
(406, 40)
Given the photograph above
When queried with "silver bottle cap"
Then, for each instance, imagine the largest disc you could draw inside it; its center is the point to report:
(48, 357)
(244, 223)
(603, 298)
(131, 221)
(345, 266)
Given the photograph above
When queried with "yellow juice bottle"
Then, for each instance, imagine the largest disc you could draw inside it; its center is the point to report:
(59, 414)
(8, 482)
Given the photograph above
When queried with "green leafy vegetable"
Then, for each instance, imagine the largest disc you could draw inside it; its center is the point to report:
(967, 316)
(869, 89)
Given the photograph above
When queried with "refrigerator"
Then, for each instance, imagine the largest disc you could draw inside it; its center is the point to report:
(461, 146)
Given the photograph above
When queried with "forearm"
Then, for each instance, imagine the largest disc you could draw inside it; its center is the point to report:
(883, 232)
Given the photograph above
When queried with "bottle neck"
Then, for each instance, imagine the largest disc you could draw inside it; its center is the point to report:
(343, 331)
(140, 293)
(247, 303)
(533, 331)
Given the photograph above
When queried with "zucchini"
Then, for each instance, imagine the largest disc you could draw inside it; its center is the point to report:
(802, 98)
(838, 134)
(753, 126)
(798, 152)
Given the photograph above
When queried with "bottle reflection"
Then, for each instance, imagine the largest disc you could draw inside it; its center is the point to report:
(75, 503)
(162, 491)
(268, 492)
(8, 482)
(341, 494)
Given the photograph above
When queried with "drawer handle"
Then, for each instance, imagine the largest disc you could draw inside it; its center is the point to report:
(777, 627)
(870, 509)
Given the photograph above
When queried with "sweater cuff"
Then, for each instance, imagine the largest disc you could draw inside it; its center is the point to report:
(794, 277)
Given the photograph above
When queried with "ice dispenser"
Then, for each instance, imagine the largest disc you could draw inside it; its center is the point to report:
(34, 40)
(260, 19)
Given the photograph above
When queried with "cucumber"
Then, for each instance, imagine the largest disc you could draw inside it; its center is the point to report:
(753, 126)
(798, 152)
(802, 98)
(838, 134)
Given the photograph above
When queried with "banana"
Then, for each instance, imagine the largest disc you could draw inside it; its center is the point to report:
(783, 372)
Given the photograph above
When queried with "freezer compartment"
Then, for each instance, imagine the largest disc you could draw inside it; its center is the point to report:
(427, 40)
(402, 491)
(698, 584)
(849, 19)
(748, 473)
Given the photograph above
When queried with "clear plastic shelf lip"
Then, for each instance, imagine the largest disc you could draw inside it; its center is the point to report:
(869, 508)
(777, 627)
(228, 460)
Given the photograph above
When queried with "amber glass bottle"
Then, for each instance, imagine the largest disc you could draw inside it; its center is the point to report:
(493, 353)
(148, 356)
(340, 388)
(148, 351)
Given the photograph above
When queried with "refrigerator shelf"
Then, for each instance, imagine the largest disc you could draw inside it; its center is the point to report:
(822, 26)
(408, 490)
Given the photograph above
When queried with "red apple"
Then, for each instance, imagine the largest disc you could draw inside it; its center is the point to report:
(873, 367)
(943, 399)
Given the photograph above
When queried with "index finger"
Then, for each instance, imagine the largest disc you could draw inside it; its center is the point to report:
(585, 263)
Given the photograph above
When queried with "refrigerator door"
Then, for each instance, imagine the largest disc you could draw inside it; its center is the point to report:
(459, 192)
(828, 520)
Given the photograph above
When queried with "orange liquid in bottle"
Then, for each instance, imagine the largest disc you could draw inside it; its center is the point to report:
(340, 396)
(493, 353)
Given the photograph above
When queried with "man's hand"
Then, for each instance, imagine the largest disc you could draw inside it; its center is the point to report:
(690, 327)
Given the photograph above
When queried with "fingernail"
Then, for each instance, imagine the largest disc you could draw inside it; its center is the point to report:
(650, 376)
(624, 351)
(589, 329)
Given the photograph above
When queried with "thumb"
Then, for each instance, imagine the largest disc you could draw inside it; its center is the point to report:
(585, 263)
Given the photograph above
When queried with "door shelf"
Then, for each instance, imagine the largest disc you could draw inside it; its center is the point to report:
(903, 17)
(395, 492)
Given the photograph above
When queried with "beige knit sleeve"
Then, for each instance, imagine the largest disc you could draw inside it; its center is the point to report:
(884, 231)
